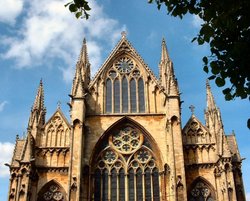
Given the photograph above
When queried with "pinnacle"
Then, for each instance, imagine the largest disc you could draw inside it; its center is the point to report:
(210, 99)
(164, 51)
(39, 100)
(83, 57)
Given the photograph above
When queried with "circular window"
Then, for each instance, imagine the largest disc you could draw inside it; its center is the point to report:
(126, 141)
(124, 65)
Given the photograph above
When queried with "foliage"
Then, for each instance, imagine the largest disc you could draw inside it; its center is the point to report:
(79, 7)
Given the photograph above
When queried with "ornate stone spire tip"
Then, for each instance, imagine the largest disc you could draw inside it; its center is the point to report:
(191, 107)
(124, 34)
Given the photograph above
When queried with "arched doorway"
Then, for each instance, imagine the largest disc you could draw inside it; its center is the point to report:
(125, 166)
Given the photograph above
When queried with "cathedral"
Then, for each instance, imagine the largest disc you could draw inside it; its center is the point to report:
(125, 140)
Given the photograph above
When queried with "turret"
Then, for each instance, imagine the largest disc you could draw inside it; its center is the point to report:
(166, 72)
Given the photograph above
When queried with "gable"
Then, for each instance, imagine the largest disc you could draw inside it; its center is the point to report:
(56, 131)
(125, 76)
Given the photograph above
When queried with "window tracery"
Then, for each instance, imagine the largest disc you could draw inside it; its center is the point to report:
(126, 168)
(51, 192)
(201, 192)
(124, 88)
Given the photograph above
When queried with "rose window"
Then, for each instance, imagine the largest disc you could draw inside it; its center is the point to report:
(126, 140)
(124, 65)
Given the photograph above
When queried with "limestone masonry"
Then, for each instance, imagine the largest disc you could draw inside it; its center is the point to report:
(124, 140)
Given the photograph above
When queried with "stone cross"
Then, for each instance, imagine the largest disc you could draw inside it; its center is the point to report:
(191, 107)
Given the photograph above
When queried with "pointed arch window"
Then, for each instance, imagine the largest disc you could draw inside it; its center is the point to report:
(108, 96)
(201, 191)
(125, 168)
(51, 192)
(141, 95)
(124, 95)
(117, 95)
(124, 88)
(133, 95)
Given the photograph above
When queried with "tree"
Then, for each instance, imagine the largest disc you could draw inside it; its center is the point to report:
(225, 27)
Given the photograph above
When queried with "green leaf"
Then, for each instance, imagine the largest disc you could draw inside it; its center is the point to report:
(86, 7)
(228, 97)
(248, 123)
(205, 68)
(220, 82)
(72, 8)
(212, 77)
(78, 14)
(205, 60)
(226, 91)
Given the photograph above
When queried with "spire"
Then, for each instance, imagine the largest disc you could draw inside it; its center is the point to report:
(164, 51)
(38, 109)
(83, 57)
(78, 84)
(39, 100)
(210, 99)
(214, 121)
(82, 73)
(166, 72)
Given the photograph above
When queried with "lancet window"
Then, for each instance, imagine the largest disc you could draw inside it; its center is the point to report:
(125, 168)
(201, 192)
(124, 88)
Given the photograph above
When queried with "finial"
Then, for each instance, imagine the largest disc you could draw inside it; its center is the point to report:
(58, 104)
(191, 107)
(17, 137)
(124, 34)
(41, 82)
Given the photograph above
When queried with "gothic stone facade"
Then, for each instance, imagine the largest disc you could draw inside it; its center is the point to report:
(124, 140)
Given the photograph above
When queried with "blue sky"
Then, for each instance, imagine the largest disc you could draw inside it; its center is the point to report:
(41, 39)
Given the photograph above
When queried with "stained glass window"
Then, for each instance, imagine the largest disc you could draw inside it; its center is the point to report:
(117, 95)
(113, 185)
(133, 95)
(125, 88)
(129, 169)
(108, 96)
(121, 185)
(97, 188)
(131, 185)
(124, 95)
(141, 95)
(105, 185)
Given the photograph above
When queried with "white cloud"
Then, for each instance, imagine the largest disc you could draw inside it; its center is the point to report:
(196, 21)
(50, 31)
(10, 10)
(2, 105)
(248, 196)
(6, 150)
